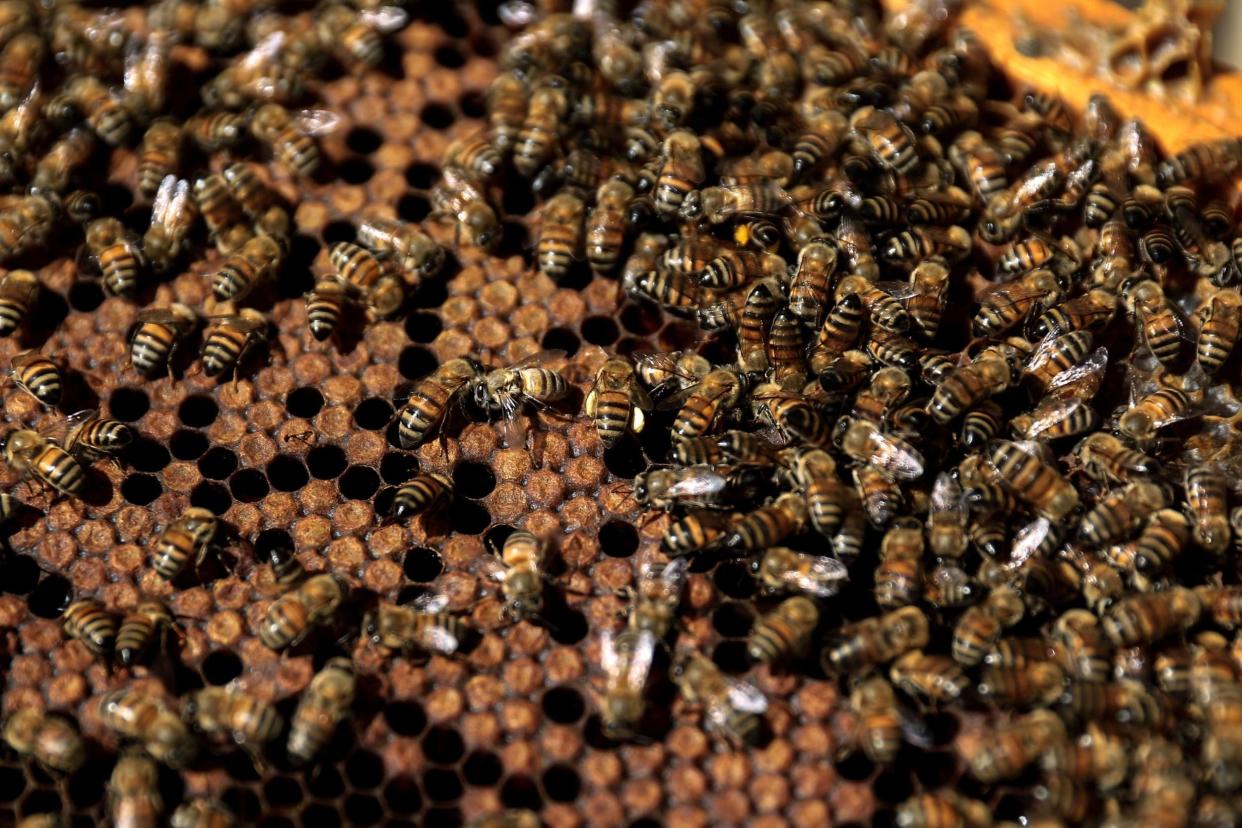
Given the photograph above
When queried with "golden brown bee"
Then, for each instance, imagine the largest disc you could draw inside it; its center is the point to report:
(1117, 515)
(119, 257)
(372, 276)
(1038, 685)
(159, 156)
(881, 725)
(1221, 319)
(626, 661)
(1206, 162)
(418, 253)
(1034, 481)
(291, 140)
(431, 398)
(1056, 355)
(785, 632)
(707, 402)
(881, 497)
(324, 305)
(876, 640)
(51, 740)
(864, 443)
(926, 241)
(229, 340)
(324, 704)
(1155, 317)
(1012, 747)
(102, 108)
(731, 708)
(784, 570)
(980, 627)
(1146, 618)
(202, 813)
(809, 290)
(38, 376)
(59, 165)
(139, 629)
(605, 229)
(223, 216)
(26, 224)
(822, 137)
(250, 721)
(947, 518)
(33, 456)
(1104, 457)
(520, 573)
(676, 291)
(356, 36)
(1154, 411)
(560, 234)
(717, 205)
(158, 334)
(423, 626)
(420, 494)
(506, 110)
(91, 624)
(943, 809)
(681, 171)
(767, 525)
(133, 793)
(1011, 303)
(838, 333)
(19, 289)
(785, 350)
(19, 65)
(255, 262)
(459, 196)
(290, 617)
(538, 138)
(759, 309)
(936, 678)
(172, 217)
(214, 131)
(1207, 501)
(696, 532)
(92, 436)
(890, 142)
(827, 498)
(256, 198)
(504, 390)
(884, 308)
(616, 403)
(992, 372)
(1091, 311)
(1163, 537)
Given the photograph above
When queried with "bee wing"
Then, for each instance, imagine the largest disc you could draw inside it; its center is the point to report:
(674, 572)
(83, 416)
(385, 19)
(897, 289)
(1090, 372)
(438, 640)
(517, 13)
(18, 289)
(914, 729)
(317, 121)
(264, 52)
(746, 697)
(430, 602)
(489, 566)
(701, 482)
(946, 493)
(823, 579)
(609, 659)
(896, 457)
(1028, 540)
(542, 358)
(1050, 413)
(641, 658)
(676, 399)
(172, 197)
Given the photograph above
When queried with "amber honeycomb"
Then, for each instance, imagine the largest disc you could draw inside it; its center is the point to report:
(299, 449)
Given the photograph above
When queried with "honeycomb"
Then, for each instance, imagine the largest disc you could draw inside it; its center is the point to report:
(298, 450)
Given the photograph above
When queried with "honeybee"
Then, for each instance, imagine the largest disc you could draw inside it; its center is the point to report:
(681, 171)
(838, 333)
(822, 137)
(732, 708)
(626, 661)
(119, 257)
(172, 218)
(520, 573)
(459, 196)
(719, 204)
(102, 109)
(808, 292)
(324, 305)
(291, 140)
(504, 390)
(26, 224)
(214, 131)
(1012, 747)
(880, 495)
(1206, 162)
(432, 397)
(420, 494)
(980, 627)
(617, 402)
(560, 234)
(1220, 319)
(1091, 311)
(223, 216)
(354, 35)
(92, 436)
(1010, 304)
(941, 809)
(89, 622)
(257, 261)
(890, 142)
(232, 337)
(785, 632)
(927, 241)
(936, 678)
(133, 793)
(291, 616)
(159, 156)
(202, 813)
(1162, 539)
(1117, 515)
(190, 535)
(947, 518)
(696, 532)
(32, 456)
(705, 403)
(606, 226)
(250, 721)
(256, 199)
(146, 718)
(19, 289)
(324, 704)
(38, 376)
(1034, 481)
(506, 110)
(1207, 502)
(1155, 318)
(418, 253)
(929, 282)
(50, 740)
(783, 570)
(372, 276)
(876, 640)
(813, 472)
(863, 442)
(992, 372)
(423, 626)
(139, 629)
(538, 137)
(1104, 457)
(1147, 618)
(158, 334)
(1057, 356)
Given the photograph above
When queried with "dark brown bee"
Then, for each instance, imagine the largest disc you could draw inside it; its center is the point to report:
(158, 333)
(139, 630)
(231, 338)
(992, 372)
(936, 678)
(890, 142)
(18, 291)
(38, 376)
(606, 226)
(1146, 618)
(560, 235)
(89, 622)
(421, 494)
(215, 131)
(1034, 481)
(682, 171)
(1206, 162)
(117, 252)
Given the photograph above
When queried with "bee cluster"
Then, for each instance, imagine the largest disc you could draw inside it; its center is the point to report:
(945, 407)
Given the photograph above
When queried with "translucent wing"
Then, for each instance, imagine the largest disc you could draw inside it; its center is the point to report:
(609, 658)
(385, 19)
(438, 639)
(640, 659)
(541, 358)
(430, 602)
(699, 483)
(1028, 541)
(914, 729)
(1090, 373)
(159, 316)
(171, 199)
(897, 289)
(517, 13)
(318, 121)
(823, 576)
(1056, 411)
(896, 457)
(264, 52)
(83, 416)
(490, 567)
(674, 572)
(746, 697)
(946, 494)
